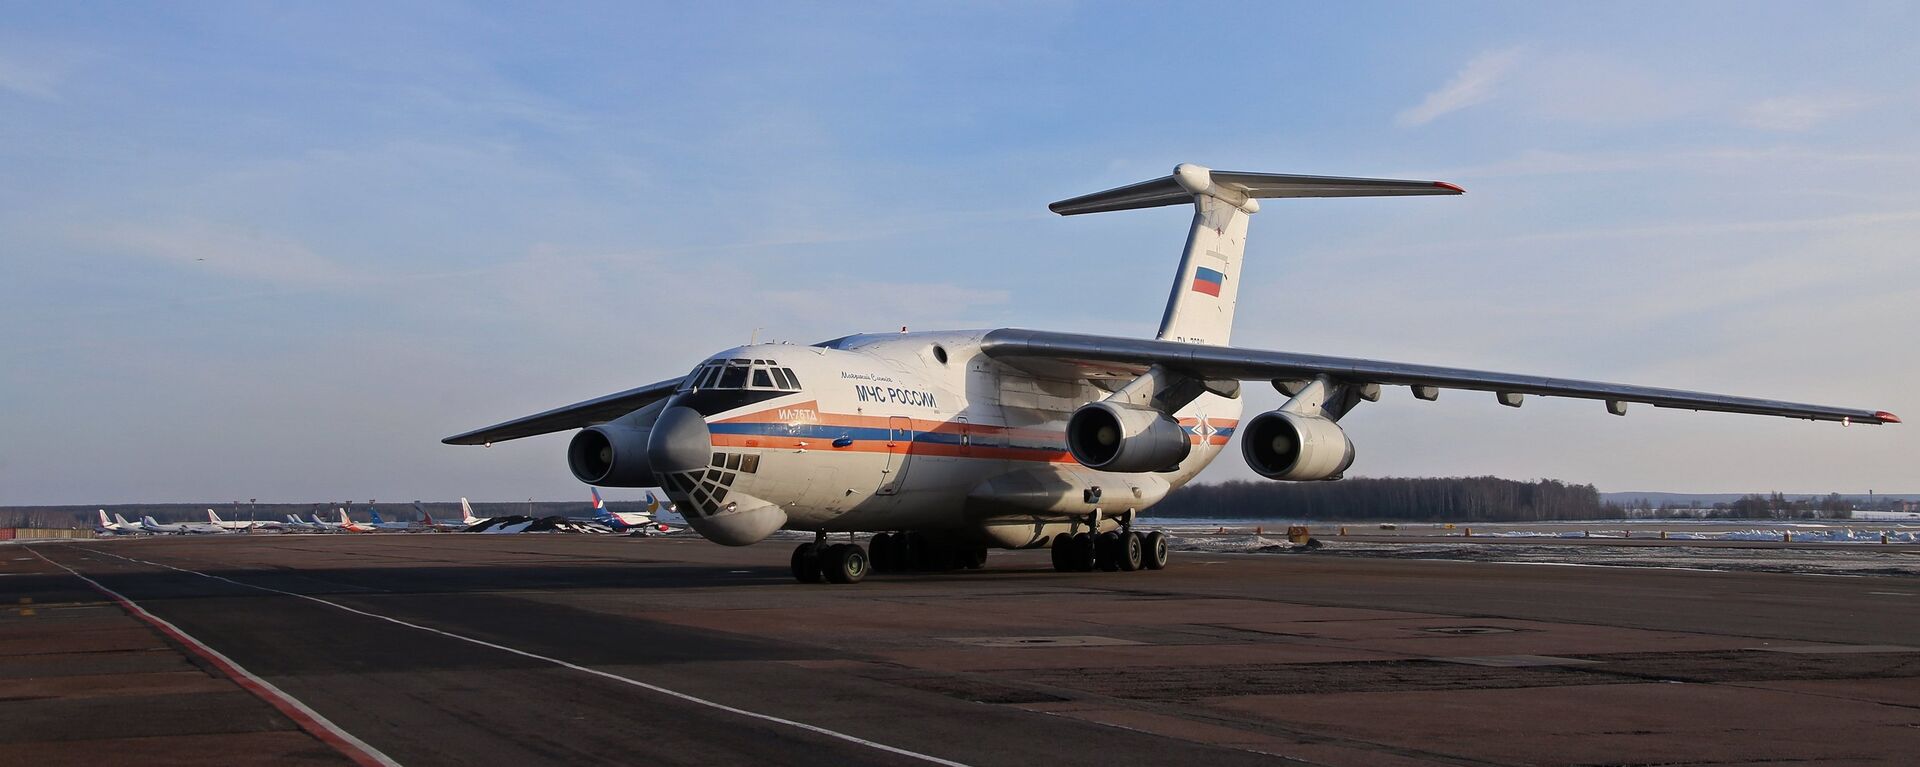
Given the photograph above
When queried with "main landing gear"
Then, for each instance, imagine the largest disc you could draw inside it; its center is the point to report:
(891, 553)
(1123, 549)
(833, 563)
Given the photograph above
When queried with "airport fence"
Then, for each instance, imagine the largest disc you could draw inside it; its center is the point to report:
(25, 533)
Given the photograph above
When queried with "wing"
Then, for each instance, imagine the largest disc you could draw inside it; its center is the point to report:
(574, 416)
(1084, 356)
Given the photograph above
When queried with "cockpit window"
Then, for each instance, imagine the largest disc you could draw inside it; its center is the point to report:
(736, 373)
(734, 376)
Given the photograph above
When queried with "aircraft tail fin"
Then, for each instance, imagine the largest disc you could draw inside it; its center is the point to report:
(103, 519)
(212, 517)
(149, 521)
(1205, 290)
(376, 516)
(598, 505)
(466, 511)
(120, 519)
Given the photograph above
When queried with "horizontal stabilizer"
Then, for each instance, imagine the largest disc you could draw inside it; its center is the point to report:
(1188, 180)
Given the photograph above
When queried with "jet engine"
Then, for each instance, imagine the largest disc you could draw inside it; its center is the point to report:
(1280, 444)
(1113, 436)
(611, 455)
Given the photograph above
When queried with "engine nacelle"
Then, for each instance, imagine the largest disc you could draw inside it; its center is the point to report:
(1283, 445)
(611, 455)
(1117, 437)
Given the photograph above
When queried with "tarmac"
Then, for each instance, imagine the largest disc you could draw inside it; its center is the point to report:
(551, 649)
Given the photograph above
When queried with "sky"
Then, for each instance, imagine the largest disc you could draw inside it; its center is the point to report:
(279, 250)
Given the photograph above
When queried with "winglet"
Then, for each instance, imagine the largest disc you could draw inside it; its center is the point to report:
(1886, 417)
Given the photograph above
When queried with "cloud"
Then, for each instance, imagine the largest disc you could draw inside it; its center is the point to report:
(1799, 113)
(1473, 84)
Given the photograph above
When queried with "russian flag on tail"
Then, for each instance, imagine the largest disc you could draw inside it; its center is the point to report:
(1207, 281)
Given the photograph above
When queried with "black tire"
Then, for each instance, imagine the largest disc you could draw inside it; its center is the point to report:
(806, 563)
(913, 552)
(845, 563)
(1108, 547)
(880, 552)
(974, 558)
(1154, 550)
(1130, 552)
(1082, 559)
(1062, 543)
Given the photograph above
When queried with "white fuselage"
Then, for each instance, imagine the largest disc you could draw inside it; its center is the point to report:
(910, 431)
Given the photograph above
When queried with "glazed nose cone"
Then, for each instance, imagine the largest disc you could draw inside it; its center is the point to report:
(679, 442)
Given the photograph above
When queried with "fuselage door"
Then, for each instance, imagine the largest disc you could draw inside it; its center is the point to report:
(899, 451)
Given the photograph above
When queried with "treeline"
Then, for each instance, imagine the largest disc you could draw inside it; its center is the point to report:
(1775, 505)
(1778, 506)
(1430, 499)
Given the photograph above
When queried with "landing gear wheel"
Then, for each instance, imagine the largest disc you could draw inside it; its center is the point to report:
(1129, 552)
(1154, 550)
(844, 563)
(1081, 553)
(1062, 544)
(880, 553)
(1108, 546)
(806, 563)
(974, 558)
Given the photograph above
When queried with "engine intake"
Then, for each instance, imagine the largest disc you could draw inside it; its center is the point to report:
(1283, 445)
(610, 456)
(1118, 437)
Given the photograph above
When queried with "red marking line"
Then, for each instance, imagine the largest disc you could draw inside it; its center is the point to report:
(309, 720)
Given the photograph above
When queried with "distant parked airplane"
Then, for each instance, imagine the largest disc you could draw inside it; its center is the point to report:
(629, 522)
(381, 524)
(119, 525)
(467, 518)
(149, 524)
(215, 520)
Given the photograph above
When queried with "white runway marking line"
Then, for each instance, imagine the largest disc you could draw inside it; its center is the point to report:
(308, 719)
(818, 730)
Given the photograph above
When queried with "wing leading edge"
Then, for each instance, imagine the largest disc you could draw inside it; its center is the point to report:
(1087, 352)
(574, 416)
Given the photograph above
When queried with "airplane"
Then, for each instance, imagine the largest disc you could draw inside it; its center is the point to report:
(631, 523)
(180, 528)
(943, 444)
(345, 524)
(215, 520)
(380, 524)
(467, 519)
(118, 525)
